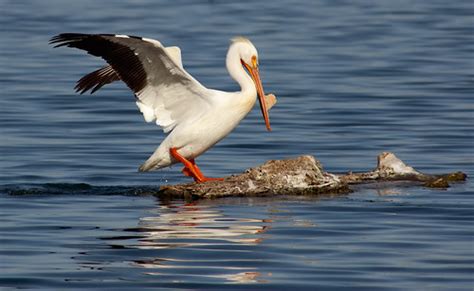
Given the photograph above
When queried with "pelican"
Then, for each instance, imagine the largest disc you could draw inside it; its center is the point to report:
(194, 117)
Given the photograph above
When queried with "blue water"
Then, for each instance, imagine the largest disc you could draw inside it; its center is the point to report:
(352, 80)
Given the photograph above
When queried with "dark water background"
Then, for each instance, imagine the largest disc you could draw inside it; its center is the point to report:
(353, 80)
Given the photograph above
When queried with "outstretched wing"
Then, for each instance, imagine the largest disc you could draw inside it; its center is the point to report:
(106, 75)
(165, 91)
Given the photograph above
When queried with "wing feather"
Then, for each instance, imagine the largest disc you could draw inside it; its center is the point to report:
(161, 85)
(106, 75)
(95, 80)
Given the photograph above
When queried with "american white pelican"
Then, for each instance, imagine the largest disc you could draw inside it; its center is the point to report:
(194, 117)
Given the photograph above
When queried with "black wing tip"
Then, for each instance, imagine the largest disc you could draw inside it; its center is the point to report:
(85, 84)
(119, 54)
(81, 89)
(96, 80)
(64, 39)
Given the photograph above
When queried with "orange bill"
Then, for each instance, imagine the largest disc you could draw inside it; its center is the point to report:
(253, 70)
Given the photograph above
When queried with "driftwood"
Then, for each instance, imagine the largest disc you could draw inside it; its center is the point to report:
(304, 175)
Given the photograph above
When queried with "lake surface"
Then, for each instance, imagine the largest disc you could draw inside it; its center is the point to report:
(352, 80)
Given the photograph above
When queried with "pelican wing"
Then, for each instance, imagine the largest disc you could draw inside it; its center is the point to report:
(106, 75)
(165, 91)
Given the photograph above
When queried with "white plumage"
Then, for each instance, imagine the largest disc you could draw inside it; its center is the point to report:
(194, 117)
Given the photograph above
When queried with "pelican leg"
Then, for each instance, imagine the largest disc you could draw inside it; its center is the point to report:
(199, 172)
(188, 173)
(190, 168)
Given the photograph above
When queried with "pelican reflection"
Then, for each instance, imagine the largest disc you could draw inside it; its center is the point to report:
(200, 228)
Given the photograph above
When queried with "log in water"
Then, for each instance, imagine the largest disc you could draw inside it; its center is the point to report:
(304, 175)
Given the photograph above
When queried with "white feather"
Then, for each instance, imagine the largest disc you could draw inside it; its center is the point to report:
(175, 54)
(147, 111)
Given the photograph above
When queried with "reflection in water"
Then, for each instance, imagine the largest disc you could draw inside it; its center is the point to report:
(389, 191)
(198, 228)
(392, 188)
(194, 221)
(244, 277)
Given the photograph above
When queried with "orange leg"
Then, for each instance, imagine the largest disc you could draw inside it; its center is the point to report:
(191, 169)
(188, 173)
(199, 172)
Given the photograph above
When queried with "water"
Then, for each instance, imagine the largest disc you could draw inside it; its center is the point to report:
(353, 80)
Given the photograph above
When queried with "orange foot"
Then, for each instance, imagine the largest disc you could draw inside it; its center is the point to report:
(191, 169)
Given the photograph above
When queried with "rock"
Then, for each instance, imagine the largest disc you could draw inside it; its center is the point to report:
(388, 164)
(304, 175)
(299, 176)
(437, 183)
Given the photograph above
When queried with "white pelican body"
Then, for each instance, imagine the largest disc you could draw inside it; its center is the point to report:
(194, 117)
(195, 137)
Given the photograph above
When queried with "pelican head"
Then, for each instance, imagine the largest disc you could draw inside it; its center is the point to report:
(249, 59)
